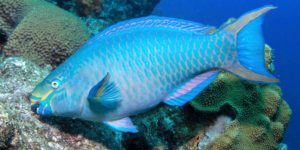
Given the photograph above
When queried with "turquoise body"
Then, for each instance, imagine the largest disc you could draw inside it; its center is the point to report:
(133, 66)
(146, 64)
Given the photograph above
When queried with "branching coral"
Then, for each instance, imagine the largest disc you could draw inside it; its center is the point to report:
(46, 34)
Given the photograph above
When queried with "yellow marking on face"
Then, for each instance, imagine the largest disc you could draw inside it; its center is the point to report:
(46, 95)
(34, 101)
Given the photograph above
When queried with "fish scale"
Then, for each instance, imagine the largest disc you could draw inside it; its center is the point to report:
(180, 73)
(134, 65)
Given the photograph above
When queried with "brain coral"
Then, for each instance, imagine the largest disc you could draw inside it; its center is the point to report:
(46, 34)
(8, 18)
(9, 14)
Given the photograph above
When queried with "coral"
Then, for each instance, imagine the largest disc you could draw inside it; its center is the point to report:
(109, 10)
(24, 130)
(260, 112)
(225, 140)
(255, 124)
(256, 109)
(284, 114)
(9, 15)
(277, 129)
(214, 132)
(245, 136)
(255, 137)
(158, 127)
(88, 7)
(243, 97)
(98, 14)
(55, 36)
(230, 114)
(116, 10)
(8, 18)
(269, 58)
(57, 33)
(96, 25)
(7, 132)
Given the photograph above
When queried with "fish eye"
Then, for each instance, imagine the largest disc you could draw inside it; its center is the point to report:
(55, 84)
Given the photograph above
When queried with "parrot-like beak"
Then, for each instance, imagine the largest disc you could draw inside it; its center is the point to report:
(34, 103)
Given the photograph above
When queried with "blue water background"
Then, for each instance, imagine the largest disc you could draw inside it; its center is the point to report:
(281, 31)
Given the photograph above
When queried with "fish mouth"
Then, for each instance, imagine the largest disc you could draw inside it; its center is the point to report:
(35, 103)
(35, 99)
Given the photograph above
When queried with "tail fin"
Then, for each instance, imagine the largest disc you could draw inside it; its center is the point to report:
(247, 31)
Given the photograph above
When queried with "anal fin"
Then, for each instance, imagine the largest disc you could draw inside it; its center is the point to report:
(123, 125)
(190, 89)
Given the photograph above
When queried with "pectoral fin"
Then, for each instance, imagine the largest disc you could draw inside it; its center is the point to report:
(123, 125)
(105, 93)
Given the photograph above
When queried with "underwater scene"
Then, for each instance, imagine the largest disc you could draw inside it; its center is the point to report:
(149, 74)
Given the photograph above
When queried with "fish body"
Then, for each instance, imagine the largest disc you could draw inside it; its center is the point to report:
(147, 64)
(133, 66)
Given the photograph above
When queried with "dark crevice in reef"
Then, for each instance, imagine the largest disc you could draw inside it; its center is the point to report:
(229, 111)
(3, 37)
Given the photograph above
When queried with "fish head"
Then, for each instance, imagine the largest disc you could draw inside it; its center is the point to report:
(55, 96)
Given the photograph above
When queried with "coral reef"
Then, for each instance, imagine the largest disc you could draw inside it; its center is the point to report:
(25, 130)
(114, 10)
(99, 14)
(88, 7)
(20, 128)
(55, 36)
(230, 114)
(260, 113)
(8, 18)
(215, 126)
(57, 33)
(9, 15)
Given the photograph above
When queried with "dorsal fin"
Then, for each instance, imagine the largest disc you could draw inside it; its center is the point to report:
(155, 22)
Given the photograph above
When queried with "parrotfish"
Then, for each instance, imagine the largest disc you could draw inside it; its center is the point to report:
(136, 64)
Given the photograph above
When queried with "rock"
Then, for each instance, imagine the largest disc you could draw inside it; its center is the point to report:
(22, 129)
